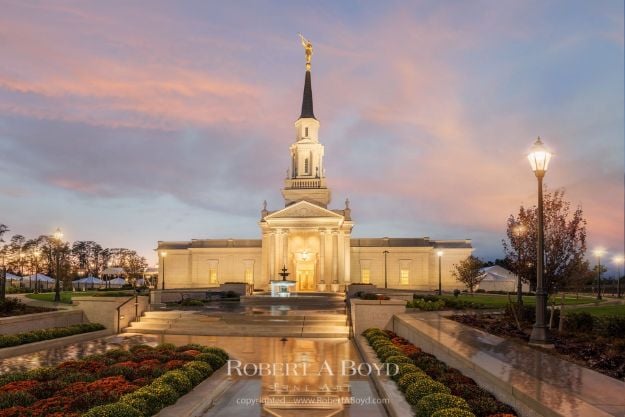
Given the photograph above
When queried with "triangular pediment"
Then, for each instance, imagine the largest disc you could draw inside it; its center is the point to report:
(303, 209)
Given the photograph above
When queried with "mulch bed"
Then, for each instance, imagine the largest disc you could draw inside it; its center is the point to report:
(602, 354)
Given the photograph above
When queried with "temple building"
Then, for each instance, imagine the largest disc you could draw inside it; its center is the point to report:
(313, 241)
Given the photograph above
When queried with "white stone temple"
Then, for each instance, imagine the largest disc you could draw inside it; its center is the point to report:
(312, 241)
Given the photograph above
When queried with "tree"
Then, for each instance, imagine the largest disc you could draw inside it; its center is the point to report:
(565, 241)
(468, 272)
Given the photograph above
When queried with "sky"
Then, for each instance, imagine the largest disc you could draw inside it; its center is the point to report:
(132, 122)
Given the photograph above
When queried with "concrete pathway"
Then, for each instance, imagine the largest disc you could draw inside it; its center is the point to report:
(554, 386)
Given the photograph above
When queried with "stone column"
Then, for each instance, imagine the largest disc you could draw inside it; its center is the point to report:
(285, 248)
(340, 251)
(347, 250)
(335, 255)
(271, 256)
(322, 255)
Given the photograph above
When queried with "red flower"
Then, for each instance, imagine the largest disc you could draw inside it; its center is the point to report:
(17, 386)
(191, 352)
(174, 364)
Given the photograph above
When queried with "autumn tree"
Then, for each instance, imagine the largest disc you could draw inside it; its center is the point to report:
(565, 241)
(468, 272)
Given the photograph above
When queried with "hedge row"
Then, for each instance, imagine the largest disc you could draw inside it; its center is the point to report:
(47, 334)
(166, 389)
(429, 385)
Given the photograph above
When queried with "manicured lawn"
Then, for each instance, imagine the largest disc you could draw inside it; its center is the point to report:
(602, 310)
(500, 301)
(66, 296)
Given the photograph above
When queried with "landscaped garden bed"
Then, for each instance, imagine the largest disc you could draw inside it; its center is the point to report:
(10, 307)
(594, 341)
(7, 340)
(134, 383)
(431, 387)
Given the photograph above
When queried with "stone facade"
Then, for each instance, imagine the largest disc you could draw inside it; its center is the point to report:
(311, 241)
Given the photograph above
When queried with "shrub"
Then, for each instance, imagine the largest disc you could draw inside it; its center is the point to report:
(166, 347)
(217, 351)
(17, 398)
(432, 403)
(610, 326)
(190, 302)
(147, 403)
(404, 369)
(426, 305)
(453, 412)
(7, 340)
(468, 391)
(194, 375)
(424, 387)
(373, 331)
(46, 334)
(202, 367)
(213, 360)
(483, 405)
(397, 359)
(113, 410)
(165, 393)
(408, 379)
(385, 351)
(177, 380)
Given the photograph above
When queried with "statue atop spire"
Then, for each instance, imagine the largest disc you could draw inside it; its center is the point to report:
(308, 48)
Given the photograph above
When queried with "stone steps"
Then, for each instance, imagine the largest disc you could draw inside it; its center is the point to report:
(189, 322)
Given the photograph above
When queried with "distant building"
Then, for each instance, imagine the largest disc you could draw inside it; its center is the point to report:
(498, 278)
(312, 241)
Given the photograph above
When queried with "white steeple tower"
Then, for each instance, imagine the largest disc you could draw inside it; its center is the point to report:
(306, 176)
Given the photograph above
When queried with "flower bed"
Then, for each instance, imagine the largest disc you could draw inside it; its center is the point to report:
(134, 383)
(597, 343)
(47, 334)
(429, 385)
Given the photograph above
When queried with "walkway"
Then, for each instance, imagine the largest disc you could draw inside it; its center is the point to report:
(555, 386)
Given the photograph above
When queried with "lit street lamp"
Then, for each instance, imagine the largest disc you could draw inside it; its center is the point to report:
(163, 256)
(385, 274)
(58, 238)
(598, 253)
(618, 260)
(440, 281)
(539, 158)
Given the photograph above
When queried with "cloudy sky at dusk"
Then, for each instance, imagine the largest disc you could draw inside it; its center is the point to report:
(132, 122)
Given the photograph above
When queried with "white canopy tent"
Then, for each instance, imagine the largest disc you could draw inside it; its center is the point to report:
(88, 283)
(38, 281)
(498, 278)
(13, 280)
(116, 283)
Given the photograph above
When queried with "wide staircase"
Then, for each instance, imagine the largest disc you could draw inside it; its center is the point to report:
(304, 324)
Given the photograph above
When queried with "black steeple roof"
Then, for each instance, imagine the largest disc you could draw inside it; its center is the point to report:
(307, 101)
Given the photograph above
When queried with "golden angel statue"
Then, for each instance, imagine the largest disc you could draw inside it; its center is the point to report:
(308, 48)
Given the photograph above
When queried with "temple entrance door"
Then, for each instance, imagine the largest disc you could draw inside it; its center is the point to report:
(306, 276)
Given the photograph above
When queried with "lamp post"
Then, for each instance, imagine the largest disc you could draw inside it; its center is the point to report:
(618, 260)
(163, 256)
(519, 230)
(58, 237)
(440, 281)
(385, 269)
(539, 158)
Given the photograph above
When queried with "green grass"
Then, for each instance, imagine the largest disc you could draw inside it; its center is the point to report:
(500, 301)
(66, 296)
(600, 311)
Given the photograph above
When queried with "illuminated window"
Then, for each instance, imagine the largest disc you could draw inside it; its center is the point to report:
(404, 275)
(365, 276)
(212, 276)
(249, 275)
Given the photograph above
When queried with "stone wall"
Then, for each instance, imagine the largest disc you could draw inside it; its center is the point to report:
(29, 322)
(374, 313)
(104, 310)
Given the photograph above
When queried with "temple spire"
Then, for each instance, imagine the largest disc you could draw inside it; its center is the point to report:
(307, 101)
